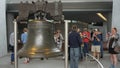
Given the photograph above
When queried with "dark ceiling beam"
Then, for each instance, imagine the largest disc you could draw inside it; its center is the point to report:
(72, 10)
(87, 10)
(12, 11)
(87, 6)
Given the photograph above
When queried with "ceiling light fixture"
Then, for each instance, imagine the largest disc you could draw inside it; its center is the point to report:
(101, 16)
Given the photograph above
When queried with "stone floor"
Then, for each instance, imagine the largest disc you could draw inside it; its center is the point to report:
(54, 63)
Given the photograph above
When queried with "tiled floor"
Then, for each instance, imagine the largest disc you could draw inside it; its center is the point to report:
(53, 63)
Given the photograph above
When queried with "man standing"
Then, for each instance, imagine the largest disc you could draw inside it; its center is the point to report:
(74, 43)
(11, 42)
(96, 38)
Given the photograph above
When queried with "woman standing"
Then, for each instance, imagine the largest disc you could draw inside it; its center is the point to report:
(113, 38)
(58, 37)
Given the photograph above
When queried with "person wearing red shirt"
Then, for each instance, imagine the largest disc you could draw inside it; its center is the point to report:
(86, 39)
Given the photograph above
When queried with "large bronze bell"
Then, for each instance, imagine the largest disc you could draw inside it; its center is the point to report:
(40, 41)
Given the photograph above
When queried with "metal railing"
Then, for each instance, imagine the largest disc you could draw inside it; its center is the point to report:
(99, 64)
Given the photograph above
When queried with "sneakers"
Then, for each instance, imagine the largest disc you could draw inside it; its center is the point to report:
(26, 61)
(12, 62)
(112, 66)
(63, 57)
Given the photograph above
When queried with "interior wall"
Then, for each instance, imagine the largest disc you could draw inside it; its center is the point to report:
(3, 37)
(116, 15)
(109, 23)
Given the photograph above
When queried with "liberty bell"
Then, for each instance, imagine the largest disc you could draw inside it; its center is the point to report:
(40, 41)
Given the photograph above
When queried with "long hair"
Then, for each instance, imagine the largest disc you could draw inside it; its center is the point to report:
(115, 29)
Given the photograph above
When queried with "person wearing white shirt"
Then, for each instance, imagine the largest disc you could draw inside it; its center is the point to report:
(11, 42)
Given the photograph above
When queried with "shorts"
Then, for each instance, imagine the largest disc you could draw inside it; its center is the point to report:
(95, 48)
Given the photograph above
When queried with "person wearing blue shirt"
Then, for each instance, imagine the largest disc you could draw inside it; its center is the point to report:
(24, 40)
(96, 42)
(74, 41)
(24, 36)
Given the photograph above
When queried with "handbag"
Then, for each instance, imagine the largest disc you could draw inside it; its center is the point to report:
(117, 48)
(117, 44)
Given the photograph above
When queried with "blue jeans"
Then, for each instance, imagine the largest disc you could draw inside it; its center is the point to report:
(101, 49)
(81, 53)
(12, 57)
(85, 48)
(74, 57)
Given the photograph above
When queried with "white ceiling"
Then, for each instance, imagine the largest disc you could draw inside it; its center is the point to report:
(18, 1)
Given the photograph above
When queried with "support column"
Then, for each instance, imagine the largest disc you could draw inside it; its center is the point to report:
(66, 44)
(3, 36)
(116, 15)
(109, 22)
